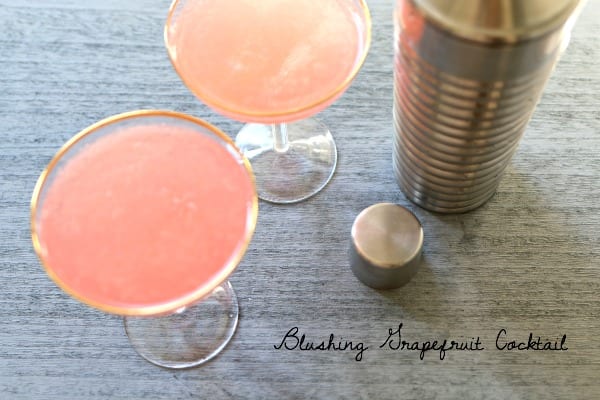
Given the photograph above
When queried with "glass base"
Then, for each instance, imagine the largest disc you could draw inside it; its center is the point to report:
(296, 172)
(189, 337)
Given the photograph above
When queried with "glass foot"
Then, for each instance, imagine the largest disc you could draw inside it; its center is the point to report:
(292, 169)
(189, 337)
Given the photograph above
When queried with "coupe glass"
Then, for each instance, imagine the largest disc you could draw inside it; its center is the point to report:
(273, 64)
(145, 215)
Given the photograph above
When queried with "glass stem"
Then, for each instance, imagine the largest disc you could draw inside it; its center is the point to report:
(280, 138)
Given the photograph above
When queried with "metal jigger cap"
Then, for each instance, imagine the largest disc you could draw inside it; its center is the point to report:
(387, 240)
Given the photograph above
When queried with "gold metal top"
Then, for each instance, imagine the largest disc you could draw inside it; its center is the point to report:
(498, 20)
(283, 115)
(158, 309)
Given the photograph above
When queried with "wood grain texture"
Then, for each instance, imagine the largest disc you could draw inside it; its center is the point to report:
(527, 261)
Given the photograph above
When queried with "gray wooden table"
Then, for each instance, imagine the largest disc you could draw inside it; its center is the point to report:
(526, 262)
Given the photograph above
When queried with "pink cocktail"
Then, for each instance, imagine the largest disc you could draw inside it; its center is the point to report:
(144, 214)
(273, 63)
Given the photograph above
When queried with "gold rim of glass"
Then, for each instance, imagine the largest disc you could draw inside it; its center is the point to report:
(258, 116)
(163, 308)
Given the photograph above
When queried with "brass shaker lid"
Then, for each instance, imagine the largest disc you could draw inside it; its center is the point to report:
(387, 240)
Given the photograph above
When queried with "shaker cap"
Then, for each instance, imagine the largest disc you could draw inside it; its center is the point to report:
(498, 20)
(387, 241)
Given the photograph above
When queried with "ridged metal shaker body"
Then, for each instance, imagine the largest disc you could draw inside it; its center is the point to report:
(466, 84)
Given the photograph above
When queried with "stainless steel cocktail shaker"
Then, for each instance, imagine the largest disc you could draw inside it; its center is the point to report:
(468, 74)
